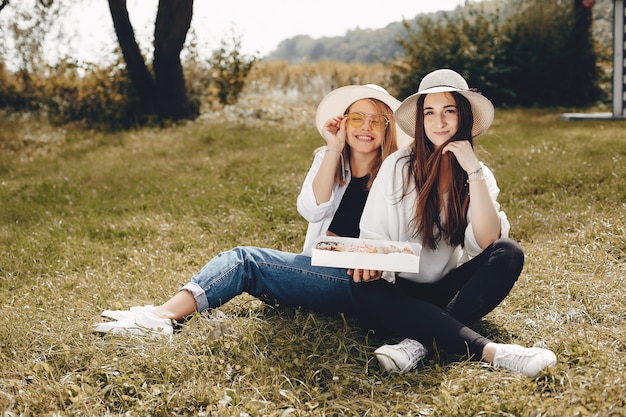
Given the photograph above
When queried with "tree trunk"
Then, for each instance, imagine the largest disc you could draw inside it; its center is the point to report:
(584, 74)
(137, 70)
(172, 23)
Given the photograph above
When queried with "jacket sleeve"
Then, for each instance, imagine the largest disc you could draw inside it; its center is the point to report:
(306, 203)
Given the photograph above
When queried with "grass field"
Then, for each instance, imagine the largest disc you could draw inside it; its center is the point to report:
(91, 221)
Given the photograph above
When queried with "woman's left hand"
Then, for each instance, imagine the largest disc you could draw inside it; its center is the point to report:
(364, 275)
(464, 154)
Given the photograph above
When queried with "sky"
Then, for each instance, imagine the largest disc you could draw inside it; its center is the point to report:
(260, 25)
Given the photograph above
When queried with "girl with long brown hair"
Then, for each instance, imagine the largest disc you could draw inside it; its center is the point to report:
(439, 195)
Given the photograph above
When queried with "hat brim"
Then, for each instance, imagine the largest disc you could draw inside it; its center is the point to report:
(337, 101)
(482, 110)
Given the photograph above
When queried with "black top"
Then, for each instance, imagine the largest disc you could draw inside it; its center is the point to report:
(345, 223)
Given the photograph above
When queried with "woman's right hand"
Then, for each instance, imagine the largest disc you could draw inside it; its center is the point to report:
(334, 133)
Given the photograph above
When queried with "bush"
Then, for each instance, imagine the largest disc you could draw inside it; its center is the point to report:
(533, 54)
(96, 97)
(469, 42)
(102, 97)
(229, 69)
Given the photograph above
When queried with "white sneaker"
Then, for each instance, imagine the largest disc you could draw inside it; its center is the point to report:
(528, 361)
(126, 314)
(401, 357)
(143, 323)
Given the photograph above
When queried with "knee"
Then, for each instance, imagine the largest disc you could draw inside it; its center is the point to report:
(229, 259)
(511, 251)
(240, 253)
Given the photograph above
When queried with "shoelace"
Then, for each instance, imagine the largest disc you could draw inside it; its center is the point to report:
(413, 350)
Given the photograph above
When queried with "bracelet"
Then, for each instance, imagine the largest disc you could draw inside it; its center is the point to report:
(476, 171)
(474, 179)
(332, 150)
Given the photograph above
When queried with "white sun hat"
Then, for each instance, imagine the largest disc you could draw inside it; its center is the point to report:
(337, 101)
(441, 81)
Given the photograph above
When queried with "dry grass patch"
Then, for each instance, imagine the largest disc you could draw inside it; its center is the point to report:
(110, 221)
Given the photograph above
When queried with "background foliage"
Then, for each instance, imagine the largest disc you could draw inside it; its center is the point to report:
(364, 45)
(536, 54)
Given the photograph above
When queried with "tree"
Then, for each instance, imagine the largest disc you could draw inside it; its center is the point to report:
(585, 75)
(164, 94)
(131, 90)
(552, 50)
(536, 53)
(468, 41)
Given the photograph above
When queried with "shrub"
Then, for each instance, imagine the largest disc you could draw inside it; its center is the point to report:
(229, 69)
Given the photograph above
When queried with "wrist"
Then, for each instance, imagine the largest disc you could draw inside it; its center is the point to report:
(475, 178)
(474, 172)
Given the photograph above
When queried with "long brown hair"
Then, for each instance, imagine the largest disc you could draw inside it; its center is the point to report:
(424, 165)
(389, 146)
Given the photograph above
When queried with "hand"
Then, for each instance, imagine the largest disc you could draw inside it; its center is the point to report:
(364, 275)
(334, 133)
(464, 154)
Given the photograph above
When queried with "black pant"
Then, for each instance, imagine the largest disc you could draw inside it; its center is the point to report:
(439, 314)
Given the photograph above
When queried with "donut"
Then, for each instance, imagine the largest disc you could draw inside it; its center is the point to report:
(364, 248)
(392, 248)
(332, 246)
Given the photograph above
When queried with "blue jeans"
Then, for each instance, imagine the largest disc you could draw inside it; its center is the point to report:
(272, 276)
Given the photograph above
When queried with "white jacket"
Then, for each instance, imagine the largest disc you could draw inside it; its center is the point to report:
(386, 217)
(319, 216)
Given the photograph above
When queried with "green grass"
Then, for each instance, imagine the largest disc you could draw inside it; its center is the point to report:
(91, 221)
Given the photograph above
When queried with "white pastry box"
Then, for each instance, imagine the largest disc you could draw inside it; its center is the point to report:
(377, 255)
